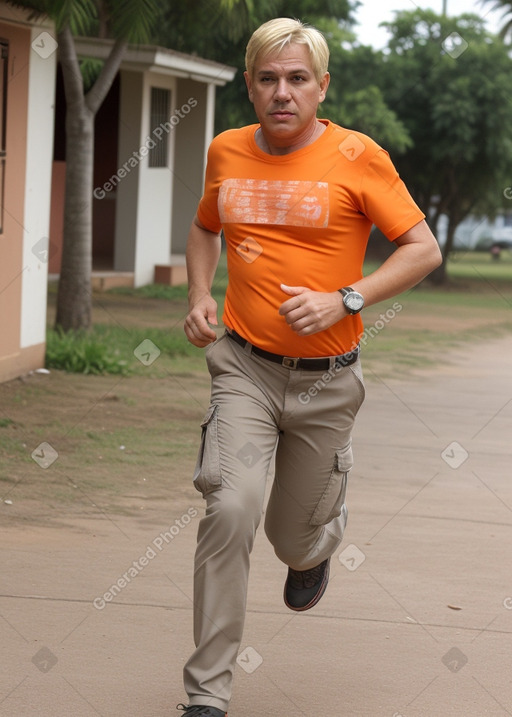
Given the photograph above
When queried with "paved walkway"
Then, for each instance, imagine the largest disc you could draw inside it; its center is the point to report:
(417, 620)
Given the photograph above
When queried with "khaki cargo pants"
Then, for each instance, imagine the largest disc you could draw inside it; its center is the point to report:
(262, 412)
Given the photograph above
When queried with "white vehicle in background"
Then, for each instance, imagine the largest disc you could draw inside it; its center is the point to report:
(479, 233)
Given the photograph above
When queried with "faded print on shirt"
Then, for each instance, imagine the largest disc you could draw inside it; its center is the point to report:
(267, 201)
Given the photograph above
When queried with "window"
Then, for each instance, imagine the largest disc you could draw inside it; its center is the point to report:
(4, 54)
(160, 110)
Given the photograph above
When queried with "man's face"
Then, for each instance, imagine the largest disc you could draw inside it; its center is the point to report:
(286, 94)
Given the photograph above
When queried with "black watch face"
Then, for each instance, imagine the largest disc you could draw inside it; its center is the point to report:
(354, 301)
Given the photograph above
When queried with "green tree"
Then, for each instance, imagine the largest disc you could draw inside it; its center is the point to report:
(354, 100)
(448, 80)
(128, 22)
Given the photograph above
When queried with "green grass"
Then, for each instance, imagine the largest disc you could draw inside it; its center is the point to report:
(485, 296)
(112, 349)
(470, 265)
(153, 291)
(480, 265)
(167, 293)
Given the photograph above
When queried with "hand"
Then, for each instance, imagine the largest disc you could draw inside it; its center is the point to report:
(309, 312)
(196, 326)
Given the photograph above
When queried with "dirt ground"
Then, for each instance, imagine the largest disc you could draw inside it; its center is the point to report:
(122, 445)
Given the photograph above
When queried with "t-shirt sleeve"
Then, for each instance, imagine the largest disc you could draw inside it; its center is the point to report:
(385, 198)
(207, 211)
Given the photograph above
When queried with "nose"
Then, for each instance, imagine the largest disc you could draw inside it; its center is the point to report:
(282, 91)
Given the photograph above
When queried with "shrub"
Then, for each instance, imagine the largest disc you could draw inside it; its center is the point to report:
(81, 352)
(109, 349)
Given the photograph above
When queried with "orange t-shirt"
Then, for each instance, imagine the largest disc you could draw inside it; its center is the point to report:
(301, 219)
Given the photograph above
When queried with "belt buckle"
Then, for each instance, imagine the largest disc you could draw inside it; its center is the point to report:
(289, 362)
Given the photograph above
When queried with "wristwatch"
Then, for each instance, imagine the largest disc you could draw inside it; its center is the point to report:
(353, 300)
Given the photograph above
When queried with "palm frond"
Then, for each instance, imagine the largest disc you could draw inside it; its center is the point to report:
(80, 15)
(90, 70)
(36, 8)
(133, 20)
(506, 5)
(242, 17)
(506, 19)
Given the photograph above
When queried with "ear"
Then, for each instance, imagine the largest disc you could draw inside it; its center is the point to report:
(248, 82)
(324, 84)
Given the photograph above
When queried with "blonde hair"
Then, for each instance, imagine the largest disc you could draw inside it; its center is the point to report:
(275, 34)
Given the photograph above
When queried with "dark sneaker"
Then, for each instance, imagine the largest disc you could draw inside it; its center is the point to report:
(201, 711)
(304, 588)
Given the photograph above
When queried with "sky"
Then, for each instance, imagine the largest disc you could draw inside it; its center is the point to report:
(372, 12)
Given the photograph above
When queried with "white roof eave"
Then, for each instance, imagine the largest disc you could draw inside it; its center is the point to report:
(156, 59)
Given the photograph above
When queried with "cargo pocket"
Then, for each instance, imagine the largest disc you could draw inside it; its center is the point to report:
(207, 473)
(332, 502)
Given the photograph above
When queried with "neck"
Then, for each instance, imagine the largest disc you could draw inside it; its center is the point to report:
(271, 147)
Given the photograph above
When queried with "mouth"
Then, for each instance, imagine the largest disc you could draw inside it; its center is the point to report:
(281, 114)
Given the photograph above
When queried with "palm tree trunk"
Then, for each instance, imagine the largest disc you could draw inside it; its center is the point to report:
(74, 298)
(439, 275)
(74, 294)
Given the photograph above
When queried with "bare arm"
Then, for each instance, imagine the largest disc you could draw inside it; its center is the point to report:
(417, 255)
(308, 312)
(203, 251)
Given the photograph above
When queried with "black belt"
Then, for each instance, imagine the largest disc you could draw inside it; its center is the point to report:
(308, 364)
